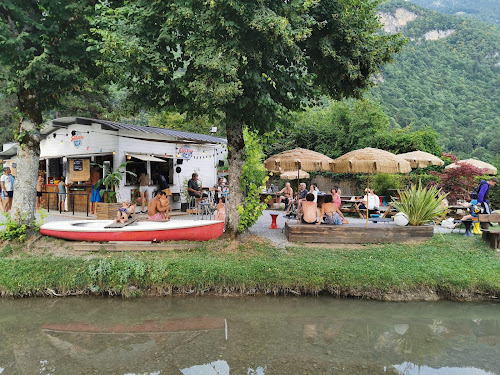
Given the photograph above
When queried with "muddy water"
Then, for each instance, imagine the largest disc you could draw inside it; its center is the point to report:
(251, 336)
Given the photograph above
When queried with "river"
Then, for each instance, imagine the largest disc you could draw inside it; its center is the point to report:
(250, 336)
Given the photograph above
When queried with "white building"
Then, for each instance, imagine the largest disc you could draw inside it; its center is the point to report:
(175, 154)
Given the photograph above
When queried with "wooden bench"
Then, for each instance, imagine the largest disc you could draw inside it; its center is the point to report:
(490, 234)
(355, 233)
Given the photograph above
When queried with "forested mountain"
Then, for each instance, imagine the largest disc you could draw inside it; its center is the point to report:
(484, 10)
(446, 78)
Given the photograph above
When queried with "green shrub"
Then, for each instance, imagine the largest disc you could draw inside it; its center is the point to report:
(420, 204)
(383, 182)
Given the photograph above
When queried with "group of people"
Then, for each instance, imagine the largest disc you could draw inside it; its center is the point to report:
(306, 202)
(195, 190)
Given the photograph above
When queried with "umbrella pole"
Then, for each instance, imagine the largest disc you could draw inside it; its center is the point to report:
(298, 184)
(367, 198)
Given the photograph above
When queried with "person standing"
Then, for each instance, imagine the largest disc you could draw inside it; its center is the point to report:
(482, 197)
(7, 181)
(62, 193)
(39, 190)
(95, 195)
(144, 182)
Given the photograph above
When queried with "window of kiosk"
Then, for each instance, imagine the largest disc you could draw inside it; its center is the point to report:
(137, 167)
(165, 169)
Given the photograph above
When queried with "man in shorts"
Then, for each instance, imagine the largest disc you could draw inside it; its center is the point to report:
(7, 181)
(95, 195)
(155, 209)
(39, 190)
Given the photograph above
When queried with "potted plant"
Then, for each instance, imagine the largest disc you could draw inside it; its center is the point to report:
(111, 181)
(421, 205)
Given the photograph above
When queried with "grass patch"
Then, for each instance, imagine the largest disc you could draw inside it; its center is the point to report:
(449, 265)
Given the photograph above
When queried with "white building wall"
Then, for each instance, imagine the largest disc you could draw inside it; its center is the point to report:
(95, 141)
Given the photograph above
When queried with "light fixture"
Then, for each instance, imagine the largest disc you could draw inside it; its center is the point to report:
(114, 152)
(54, 135)
(129, 157)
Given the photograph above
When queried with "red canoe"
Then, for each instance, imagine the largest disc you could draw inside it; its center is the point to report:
(94, 230)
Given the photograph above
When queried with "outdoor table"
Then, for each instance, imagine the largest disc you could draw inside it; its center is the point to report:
(453, 211)
(274, 225)
(355, 204)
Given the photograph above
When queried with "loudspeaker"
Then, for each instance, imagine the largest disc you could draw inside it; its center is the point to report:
(221, 163)
(178, 169)
(179, 161)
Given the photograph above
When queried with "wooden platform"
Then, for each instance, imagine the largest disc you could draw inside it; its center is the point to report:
(356, 233)
(121, 225)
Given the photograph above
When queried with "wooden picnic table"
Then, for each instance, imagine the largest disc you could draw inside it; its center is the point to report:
(453, 211)
(354, 207)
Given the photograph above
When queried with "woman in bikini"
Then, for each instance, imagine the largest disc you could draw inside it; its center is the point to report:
(331, 213)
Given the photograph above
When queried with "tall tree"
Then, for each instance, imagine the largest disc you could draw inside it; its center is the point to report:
(247, 62)
(44, 55)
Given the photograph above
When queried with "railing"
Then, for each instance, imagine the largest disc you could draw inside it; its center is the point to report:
(67, 195)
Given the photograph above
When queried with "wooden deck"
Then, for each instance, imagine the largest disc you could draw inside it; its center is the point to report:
(356, 233)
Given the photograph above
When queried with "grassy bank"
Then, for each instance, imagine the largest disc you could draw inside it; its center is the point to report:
(445, 267)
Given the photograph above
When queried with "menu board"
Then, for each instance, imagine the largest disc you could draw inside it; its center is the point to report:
(79, 170)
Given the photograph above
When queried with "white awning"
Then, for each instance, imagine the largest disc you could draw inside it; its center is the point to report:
(146, 157)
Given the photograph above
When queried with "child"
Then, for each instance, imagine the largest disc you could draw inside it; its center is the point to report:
(165, 204)
(39, 189)
(220, 214)
(124, 212)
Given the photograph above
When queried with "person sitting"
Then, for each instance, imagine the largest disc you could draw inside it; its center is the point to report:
(331, 213)
(194, 190)
(372, 199)
(155, 209)
(220, 214)
(288, 198)
(308, 208)
(314, 191)
(125, 212)
(164, 204)
(336, 196)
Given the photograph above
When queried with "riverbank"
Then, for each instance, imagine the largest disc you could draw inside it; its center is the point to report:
(446, 267)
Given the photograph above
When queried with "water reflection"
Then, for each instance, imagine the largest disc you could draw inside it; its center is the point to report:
(255, 336)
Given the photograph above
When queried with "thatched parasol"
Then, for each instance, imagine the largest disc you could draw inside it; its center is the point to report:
(293, 175)
(490, 169)
(421, 159)
(296, 160)
(370, 160)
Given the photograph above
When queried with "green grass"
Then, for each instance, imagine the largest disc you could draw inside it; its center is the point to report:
(448, 264)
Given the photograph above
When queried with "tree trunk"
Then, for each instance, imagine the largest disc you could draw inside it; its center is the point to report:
(235, 145)
(28, 156)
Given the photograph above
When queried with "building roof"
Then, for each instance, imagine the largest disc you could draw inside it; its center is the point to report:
(110, 125)
(10, 152)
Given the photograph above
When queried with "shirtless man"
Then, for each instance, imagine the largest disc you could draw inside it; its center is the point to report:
(309, 207)
(39, 189)
(165, 204)
(95, 196)
(155, 209)
(288, 192)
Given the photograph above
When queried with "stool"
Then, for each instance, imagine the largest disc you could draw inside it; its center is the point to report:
(274, 225)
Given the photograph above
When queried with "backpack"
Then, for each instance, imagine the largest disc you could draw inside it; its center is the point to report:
(474, 194)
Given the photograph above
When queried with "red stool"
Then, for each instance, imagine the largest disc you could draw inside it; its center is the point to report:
(273, 223)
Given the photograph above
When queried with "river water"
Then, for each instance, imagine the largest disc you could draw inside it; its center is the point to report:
(251, 336)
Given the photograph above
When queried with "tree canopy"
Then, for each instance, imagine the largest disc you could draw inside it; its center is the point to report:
(44, 55)
(246, 62)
